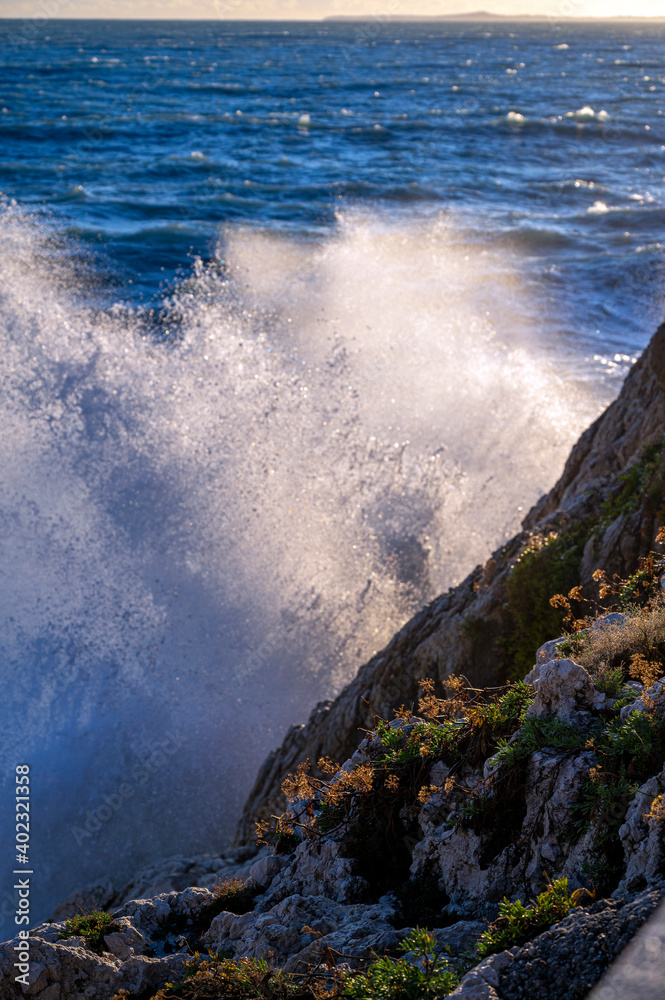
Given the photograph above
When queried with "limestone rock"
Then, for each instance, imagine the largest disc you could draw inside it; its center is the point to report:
(563, 688)
(164, 875)
(642, 839)
(477, 870)
(481, 983)
(613, 620)
(126, 940)
(548, 651)
(263, 871)
(67, 969)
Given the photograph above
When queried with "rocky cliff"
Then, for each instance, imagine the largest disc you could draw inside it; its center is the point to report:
(487, 627)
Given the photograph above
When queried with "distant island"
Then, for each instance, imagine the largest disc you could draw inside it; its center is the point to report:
(484, 15)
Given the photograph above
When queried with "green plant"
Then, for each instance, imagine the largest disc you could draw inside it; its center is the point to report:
(627, 753)
(537, 734)
(402, 747)
(91, 926)
(609, 680)
(600, 875)
(469, 738)
(548, 566)
(516, 923)
(426, 976)
(643, 483)
(217, 978)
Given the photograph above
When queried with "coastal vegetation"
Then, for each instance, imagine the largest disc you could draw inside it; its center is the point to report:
(91, 926)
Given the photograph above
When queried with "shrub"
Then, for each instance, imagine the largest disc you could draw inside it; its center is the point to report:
(627, 753)
(217, 978)
(609, 680)
(234, 895)
(430, 976)
(517, 923)
(634, 647)
(548, 566)
(538, 734)
(400, 766)
(91, 926)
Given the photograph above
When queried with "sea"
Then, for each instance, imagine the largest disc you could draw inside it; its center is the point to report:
(297, 320)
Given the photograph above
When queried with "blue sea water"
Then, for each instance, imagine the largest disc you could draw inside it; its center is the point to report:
(297, 320)
(142, 140)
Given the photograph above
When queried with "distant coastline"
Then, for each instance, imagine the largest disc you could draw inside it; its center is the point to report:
(473, 16)
(484, 15)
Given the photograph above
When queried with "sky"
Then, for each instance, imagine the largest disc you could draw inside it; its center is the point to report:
(295, 9)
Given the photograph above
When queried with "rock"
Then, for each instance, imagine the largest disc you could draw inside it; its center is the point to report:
(459, 937)
(482, 982)
(126, 941)
(614, 620)
(263, 871)
(548, 651)
(476, 870)
(652, 696)
(564, 962)
(98, 896)
(642, 839)
(638, 973)
(563, 688)
(70, 969)
(165, 875)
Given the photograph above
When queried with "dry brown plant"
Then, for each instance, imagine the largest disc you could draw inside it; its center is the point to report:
(657, 809)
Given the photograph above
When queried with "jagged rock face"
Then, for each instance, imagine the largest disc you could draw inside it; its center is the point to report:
(476, 870)
(642, 838)
(141, 954)
(435, 642)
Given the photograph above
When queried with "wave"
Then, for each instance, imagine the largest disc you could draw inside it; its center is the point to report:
(217, 510)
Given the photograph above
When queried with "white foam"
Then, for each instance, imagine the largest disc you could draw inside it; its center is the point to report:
(587, 114)
(602, 208)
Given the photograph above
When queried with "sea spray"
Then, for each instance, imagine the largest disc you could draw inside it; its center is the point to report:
(215, 512)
